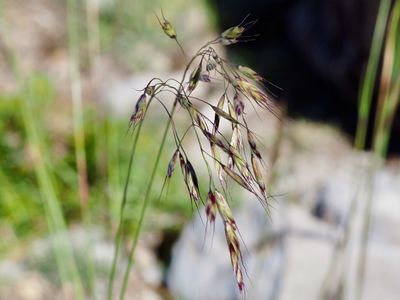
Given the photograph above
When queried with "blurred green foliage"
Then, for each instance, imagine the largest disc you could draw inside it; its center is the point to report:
(39, 190)
(107, 146)
(128, 34)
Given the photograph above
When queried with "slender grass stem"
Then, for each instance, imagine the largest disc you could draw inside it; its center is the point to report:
(63, 250)
(144, 207)
(118, 236)
(146, 200)
(76, 97)
(66, 264)
(79, 131)
(388, 102)
(331, 286)
(368, 83)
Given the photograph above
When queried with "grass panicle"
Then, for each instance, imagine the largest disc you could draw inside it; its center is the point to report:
(228, 150)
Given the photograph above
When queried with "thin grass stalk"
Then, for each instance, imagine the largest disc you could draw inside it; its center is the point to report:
(144, 207)
(367, 87)
(145, 203)
(368, 83)
(118, 235)
(388, 103)
(8, 51)
(390, 84)
(151, 181)
(93, 29)
(329, 286)
(78, 127)
(53, 213)
(76, 97)
(385, 120)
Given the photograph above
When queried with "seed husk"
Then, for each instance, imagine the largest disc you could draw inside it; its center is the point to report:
(194, 78)
(211, 207)
(238, 104)
(140, 110)
(167, 27)
(171, 165)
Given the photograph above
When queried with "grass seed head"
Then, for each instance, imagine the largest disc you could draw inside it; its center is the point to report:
(205, 78)
(252, 143)
(192, 181)
(199, 119)
(183, 101)
(231, 35)
(140, 110)
(238, 104)
(235, 253)
(223, 114)
(194, 78)
(232, 111)
(167, 27)
(171, 165)
(252, 91)
(258, 173)
(150, 90)
(237, 178)
(211, 207)
(211, 66)
(243, 82)
(223, 208)
(250, 73)
(217, 158)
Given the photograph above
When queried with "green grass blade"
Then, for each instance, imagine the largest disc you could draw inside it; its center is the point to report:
(369, 80)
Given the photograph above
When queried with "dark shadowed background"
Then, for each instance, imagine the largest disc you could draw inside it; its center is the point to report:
(316, 51)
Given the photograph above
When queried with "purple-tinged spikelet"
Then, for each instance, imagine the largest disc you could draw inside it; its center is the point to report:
(171, 165)
(211, 207)
(231, 237)
(238, 104)
(194, 78)
(140, 110)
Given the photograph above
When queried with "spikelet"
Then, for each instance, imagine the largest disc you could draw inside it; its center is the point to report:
(140, 110)
(231, 35)
(223, 114)
(238, 104)
(205, 78)
(167, 27)
(171, 165)
(252, 143)
(235, 254)
(210, 66)
(183, 101)
(258, 173)
(199, 119)
(234, 34)
(194, 78)
(217, 158)
(211, 207)
(150, 90)
(192, 182)
(250, 89)
(231, 237)
(232, 111)
(250, 73)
